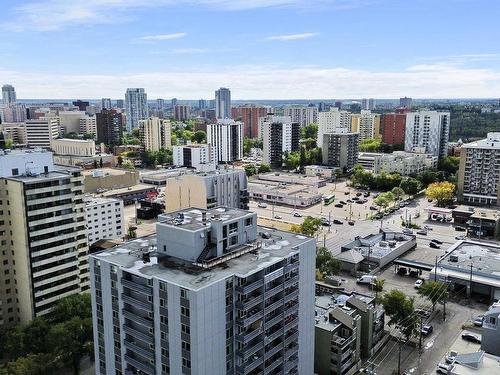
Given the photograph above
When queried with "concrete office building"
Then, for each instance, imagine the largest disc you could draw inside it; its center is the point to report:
(332, 121)
(393, 128)
(13, 113)
(109, 126)
(404, 163)
(88, 125)
(8, 95)
(429, 130)
(42, 232)
(164, 305)
(155, 134)
(75, 147)
(227, 137)
(70, 121)
(223, 103)
(104, 219)
(181, 112)
(41, 133)
(303, 114)
(106, 103)
(14, 131)
(136, 107)
(250, 115)
(224, 187)
(479, 171)
(198, 156)
(102, 179)
(280, 136)
(340, 150)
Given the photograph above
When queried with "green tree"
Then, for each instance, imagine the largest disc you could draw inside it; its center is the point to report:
(400, 309)
(370, 145)
(33, 364)
(378, 287)
(309, 131)
(449, 164)
(397, 192)
(326, 263)
(442, 192)
(74, 305)
(250, 170)
(132, 232)
(302, 158)
(410, 186)
(127, 164)
(309, 226)
(434, 291)
(199, 137)
(119, 160)
(292, 160)
(264, 168)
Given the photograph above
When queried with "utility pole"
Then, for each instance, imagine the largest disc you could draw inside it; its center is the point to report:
(420, 336)
(329, 222)
(324, 240)
(470, 283)
(435, 269)
(399, 356)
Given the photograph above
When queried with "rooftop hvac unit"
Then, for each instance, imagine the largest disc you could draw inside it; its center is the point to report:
(454, 258)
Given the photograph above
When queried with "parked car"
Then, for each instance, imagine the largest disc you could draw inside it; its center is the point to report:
(325, 222)
(422, 232)
(460, 229)
(419, 283)
(296, 214)
(451, 356)
(350, 222)
(443, 368)
(426, 330)
(342, 202)
(366, 194)
(407, 231)
(349, 201)
(346, 193)
(460, 238)
(427, 227)
(423, 313)
(413, 273)
(337, 221)
(478, 321)
(338, 205)
(358, 194)
(467, 336)
(434, 245)
(278, 217)
(355, 199)
(262, 205)
(402, 271)
(379, 216)
(437, 241)
(373, 208)
(366, 279)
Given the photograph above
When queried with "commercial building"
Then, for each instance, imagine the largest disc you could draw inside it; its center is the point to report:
(106, 103)
(76, 147)
(429, 130)
(224, 187)
(368, 104)
(479, 171)
(404, 163)
(159, 177)
(293, 179)
(490, 334)
(132, 194)
(41, 132)
(103, 179)
(181, 112)
(13, 113)
(292, 195)
(155, 134)
(302, 114)
(280, 136)
(81, 104)
(405, 102)
(104, 219)
(227, 137)
(340, 150)
(136, 107)
(471, 266)
(320, 171)
(479, 222)
(70, 121)
(367, 124)
(88, 125)
(109, 127)
(223, 103)
(8, 95)
(172, 308)
(393, 128)
(43, 235)
(250, 115)
(332, 121)
(14, 131)
(198, 156)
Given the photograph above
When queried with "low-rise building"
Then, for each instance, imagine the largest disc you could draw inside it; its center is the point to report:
(131, 194)
(278, 193)
(404, 163)
(99, 180)
(73, 147)
(159, 177)
(480, 222)
(320, 171)
(104, 218)
(490, 335)
(293, 179)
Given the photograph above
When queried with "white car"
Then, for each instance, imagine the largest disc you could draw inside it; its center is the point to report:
(419, 283)
(444, 368)
(296, 214)
(262, 205)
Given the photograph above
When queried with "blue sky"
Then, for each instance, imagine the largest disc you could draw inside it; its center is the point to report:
(272, 49)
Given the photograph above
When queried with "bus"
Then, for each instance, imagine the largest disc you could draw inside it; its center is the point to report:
(329, 199)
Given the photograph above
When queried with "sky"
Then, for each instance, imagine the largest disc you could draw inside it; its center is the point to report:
(260, 49)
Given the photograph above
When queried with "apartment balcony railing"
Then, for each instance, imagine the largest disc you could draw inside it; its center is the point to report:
(247, 353)
(273, 321)
(273, 365)
(246, 337)
(292, 338)
(135, 302)
(138, 319)
(251, 319)
(137, 287)
(290, 365)
(147, 368)
(146, 337)
(274, 306)
(292, 295)
(249, 303)
(274, 290)
(250, 287)
(291, 267)
(137, 349)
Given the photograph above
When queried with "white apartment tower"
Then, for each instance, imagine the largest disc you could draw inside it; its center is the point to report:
(198, 156)
(332, 121)
(106, 103)
(8, 95)
(104, 219)
(136, 107)
(44, 239)
(223, 103)
(227, 137)
(428, 131)
(155, 134)
(41, 132)
(210, 293)
(303, 114)
(280, 135)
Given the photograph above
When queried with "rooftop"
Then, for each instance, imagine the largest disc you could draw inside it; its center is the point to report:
(103, 172)
(130, 189)
(91, 200)
(58, 172)
(129, 257)
(377, 245)
(492, 141)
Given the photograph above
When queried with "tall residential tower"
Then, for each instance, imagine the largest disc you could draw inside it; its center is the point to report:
(136, 106)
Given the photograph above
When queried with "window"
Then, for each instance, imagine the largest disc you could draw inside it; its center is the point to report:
(185, 329)
(15, 171)
(186, 363)
(162, 302)
(184, 293)
(186, 346)
(185, 311)
(248, 221)
(492, 320)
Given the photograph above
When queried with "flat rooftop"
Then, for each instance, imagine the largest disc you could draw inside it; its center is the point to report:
(484, 257)
(291, 177)
(107, 172)
(378, 245)
(192, 218)
(128, 257)
(91, 200)
(131, 189)
(58, 172)
(300, 191)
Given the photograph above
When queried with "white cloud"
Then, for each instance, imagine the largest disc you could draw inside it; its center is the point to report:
(160, 37)
(267, 82)
(287, 37)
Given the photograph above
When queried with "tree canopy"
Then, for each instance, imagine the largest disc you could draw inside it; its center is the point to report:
(326, 263)
(309, 226)
(400, 309)
(370, 145)
(434, 291)
(442, 192)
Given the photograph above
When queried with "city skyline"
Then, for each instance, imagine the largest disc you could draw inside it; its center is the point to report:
(321, 52)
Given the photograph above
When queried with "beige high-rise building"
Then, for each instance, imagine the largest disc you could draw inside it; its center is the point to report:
(155, 133)
(40, 133)
(88, 124)
(365, 124)
(44, 249)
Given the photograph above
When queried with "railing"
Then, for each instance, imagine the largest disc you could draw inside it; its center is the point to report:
(250, 287)
(137, 287)
(247, 321)
(249, 352)
(146, 337)
(147, 368)
(135, 302)
(137, 349)
(138, 319)
(246, 248)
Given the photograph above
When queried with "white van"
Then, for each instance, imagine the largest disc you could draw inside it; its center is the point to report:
(366, 279)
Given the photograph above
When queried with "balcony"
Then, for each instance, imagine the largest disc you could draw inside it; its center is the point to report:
(273, 336)
(273, 321)
(274, 290)
(135, 302)
(137, 349)
(251, 365)
(291, 325)
(246, 337)
(273, 275)
(247, 353)
(146, 337)
(251, 319)
(291, 364)
(291, 296)
(138, 319)
(250, 302)
(137, 287)
(269, 309)
(291, 267)
(291, 281)
(147, 368)
(250, 287)
(273, 351)
(292, 338)
(274, 364)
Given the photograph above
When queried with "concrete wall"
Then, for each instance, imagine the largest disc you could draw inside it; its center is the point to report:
(111, 181)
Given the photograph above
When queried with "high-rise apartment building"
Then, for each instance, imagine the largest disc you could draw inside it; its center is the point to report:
(120, 103)
(367, 124)
(40, 133)
(164, 304)
(43, 235)
(222, 187)
(223, 103)
(199, 156)
(303, 114)
(88, 125)
(479, 172)
(393, 128)
(427, 131)
(368, 104)
(202, 104)
(250, 115)
(332, 121)
(280, 135)
(8, 95)
(104, 219)
(181, 112)
(106, 103)
(13, 113)
(81, 104)
(173, 102)
(109, 127)
(136, 107)
(160, 108)
(155, 134)
(226, 136)
(70, 121)
(340, 150)
(405, 102)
